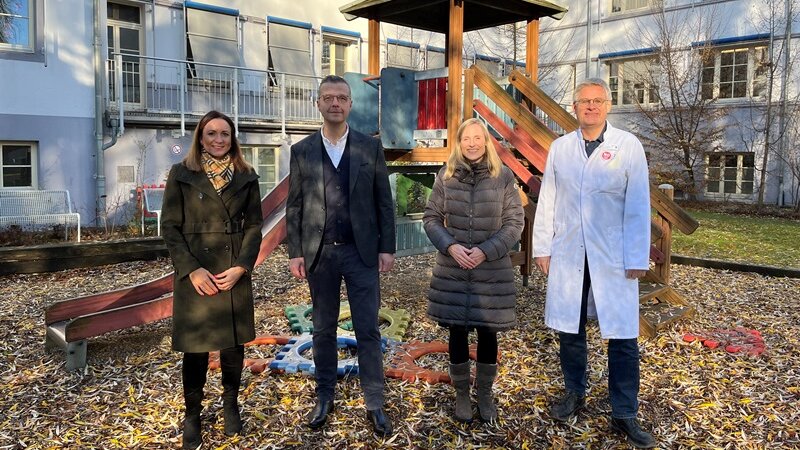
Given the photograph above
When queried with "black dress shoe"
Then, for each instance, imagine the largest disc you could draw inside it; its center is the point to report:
(380, 422)
(319, 415)
(566, 406)
(636, 436)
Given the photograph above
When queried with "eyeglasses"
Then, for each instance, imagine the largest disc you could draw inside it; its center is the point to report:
(590, 101)
(330, 98)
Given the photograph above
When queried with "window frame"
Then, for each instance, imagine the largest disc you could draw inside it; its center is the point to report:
(140, 28)
(34, 164)
(621, 6)
(716, 53)
(35, 50)
(413, 47)
(347, 60)
(617, 82)
(248, 150)
(740, 179)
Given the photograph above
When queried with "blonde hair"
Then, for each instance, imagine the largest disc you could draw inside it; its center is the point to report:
(193, 159)
(457, 159)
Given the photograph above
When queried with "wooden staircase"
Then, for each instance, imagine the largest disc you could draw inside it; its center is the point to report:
(530, 139)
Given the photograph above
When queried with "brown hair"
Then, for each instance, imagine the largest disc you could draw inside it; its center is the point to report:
(457, 158)
(192, 161)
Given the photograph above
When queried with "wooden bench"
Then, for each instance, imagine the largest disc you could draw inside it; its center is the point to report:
(152, 200)
(35, 209)
(70, 322)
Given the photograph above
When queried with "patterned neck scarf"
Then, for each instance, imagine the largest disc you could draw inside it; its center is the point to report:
(218, 171)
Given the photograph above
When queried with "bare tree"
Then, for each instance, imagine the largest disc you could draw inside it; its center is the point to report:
(765, 126)
(681, 120)
(6, 21)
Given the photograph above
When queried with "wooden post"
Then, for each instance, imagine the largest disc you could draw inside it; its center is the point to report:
(455, 48)
(532, 50)
(469, 89)
(374, 47)
(665, 242)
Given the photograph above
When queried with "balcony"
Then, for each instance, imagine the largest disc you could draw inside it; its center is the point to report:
(172, 91)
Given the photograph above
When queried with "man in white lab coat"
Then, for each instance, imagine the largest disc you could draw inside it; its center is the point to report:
(591, 237)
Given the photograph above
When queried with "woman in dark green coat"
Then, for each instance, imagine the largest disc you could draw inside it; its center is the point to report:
(211, 222)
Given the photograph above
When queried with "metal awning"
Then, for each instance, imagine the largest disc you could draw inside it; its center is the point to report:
(433, 15)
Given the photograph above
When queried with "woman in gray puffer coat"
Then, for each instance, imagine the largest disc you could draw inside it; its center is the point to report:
(473, 217)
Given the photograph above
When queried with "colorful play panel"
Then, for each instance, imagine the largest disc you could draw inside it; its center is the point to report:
(254, 365)
(737, 340)
(291, 360)
(403, 364)
(398, 319)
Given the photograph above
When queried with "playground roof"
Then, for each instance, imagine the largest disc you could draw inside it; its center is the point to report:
(433, 15)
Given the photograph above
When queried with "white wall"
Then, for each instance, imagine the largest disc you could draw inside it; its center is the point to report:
(64, 86)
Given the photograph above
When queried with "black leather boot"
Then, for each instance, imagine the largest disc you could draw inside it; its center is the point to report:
(231, 362)
(193, 374)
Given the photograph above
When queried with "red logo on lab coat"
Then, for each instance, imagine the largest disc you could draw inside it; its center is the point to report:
(606, 155)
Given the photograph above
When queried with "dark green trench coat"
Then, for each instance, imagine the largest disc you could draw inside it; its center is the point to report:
(216, 232)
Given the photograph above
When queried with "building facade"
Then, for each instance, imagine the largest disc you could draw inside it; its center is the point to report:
(719, 75)
(101, 97)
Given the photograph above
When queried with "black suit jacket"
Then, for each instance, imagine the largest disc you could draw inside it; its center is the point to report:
(371, 205)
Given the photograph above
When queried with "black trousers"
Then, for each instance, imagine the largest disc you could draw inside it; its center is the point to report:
(195, 366)
(334, 264)
(459, 345)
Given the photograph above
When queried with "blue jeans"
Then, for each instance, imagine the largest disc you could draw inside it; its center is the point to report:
(336, 263)
(623, 363)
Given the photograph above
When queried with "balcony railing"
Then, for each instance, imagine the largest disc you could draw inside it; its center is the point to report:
(165, 87)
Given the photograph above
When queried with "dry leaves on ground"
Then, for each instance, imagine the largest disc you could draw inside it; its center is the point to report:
(130, 394)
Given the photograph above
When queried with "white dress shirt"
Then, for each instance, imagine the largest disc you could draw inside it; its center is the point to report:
(335, 149)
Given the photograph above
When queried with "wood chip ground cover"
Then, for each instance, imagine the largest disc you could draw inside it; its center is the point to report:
(129, 396)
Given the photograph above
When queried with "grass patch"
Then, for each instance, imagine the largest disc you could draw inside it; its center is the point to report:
(748, 239)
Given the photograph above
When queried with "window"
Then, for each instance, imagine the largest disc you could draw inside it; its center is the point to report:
(18, 165)
(16, 27)
(628, 5)
(289, 46)
(734, 73)
(489, 64)
(212, 36)
(730, 173)
(435, 58)
(636, 80)
(124, 33)
(264, 161)
(510, 65)
(402, 54)
(334, 56)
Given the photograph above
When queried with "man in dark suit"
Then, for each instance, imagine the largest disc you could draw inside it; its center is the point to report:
(340, 225)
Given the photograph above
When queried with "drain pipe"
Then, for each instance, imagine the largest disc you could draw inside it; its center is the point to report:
(100, 175)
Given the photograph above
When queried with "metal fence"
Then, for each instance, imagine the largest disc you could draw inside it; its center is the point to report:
(176, 88)
(411, 237)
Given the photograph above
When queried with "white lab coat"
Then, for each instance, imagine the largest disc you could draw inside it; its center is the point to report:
(597, 206)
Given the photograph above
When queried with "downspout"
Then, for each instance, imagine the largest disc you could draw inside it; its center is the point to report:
(99, 176)
(787, 39)
(588, 38)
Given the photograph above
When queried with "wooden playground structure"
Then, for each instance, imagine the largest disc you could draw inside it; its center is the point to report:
(525, 142)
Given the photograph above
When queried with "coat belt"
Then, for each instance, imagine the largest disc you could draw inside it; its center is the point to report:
(227, 227)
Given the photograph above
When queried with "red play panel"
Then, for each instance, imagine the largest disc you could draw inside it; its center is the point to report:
(738, 340)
